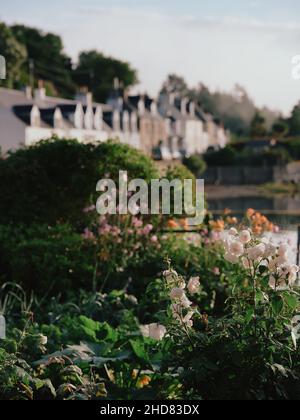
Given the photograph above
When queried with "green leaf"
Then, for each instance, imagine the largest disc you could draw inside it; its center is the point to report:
(291, 300)
(249, 315)
(277, 304)
(139, 349)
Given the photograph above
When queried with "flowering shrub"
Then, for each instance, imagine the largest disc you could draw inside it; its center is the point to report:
(250, 352)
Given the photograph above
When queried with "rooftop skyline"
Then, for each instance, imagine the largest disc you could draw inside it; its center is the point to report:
(219, 43)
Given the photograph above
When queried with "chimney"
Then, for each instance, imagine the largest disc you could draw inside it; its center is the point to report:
(40, 92)
(183, 106)
(84, 97)
(28, 92)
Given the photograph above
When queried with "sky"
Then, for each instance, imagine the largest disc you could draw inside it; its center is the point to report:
(218, 42)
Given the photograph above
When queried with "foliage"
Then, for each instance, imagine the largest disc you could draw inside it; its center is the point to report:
(59, 179)
(14, 53)
(195, 164)
(257, 127)
(97, 71)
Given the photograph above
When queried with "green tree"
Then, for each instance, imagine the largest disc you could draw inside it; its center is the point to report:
(45, 53)
(294, 121)
(280, 128)
(257, 127)
(14, 53)
(97, 72)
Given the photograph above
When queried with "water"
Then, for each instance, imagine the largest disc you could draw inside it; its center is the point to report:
(283, 211)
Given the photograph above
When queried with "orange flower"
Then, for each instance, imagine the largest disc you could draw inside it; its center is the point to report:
(250, 212)
(144, 381)
(172, 224)
(227, 212)
(218, 225)
(184, 223)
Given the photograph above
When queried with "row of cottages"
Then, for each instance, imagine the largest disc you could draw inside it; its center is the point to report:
(171, 125)
(175, 125)
(26, 119)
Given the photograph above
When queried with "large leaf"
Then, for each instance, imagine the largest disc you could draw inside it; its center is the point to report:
(277, 304)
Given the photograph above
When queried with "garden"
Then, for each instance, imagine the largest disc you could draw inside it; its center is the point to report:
(132, 307)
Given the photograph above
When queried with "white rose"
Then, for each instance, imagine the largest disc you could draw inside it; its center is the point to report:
(245, 236)
(231, 258)
(176, 293)
(256, 252)
(236, 248)
(233, 232)
(194, 285)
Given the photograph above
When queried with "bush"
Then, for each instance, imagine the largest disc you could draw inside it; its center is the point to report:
(55, 180)
(43, 259)
(223, 157)
(195, 164)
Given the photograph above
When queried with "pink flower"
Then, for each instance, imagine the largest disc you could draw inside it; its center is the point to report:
(154, 239)
(137, 223)
(147, 229)
(89, 209)
(88, 235)
(216, 271)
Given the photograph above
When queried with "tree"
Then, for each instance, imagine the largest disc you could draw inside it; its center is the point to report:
(14, 53)
(257, 127)
(280, 128)
(51, 64)
(97, 72)
(294, 121)
(175, 84)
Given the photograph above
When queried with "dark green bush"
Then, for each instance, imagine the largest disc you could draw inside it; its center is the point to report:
(223, 157)
(46, 260)
(55, 180)
(195, 164)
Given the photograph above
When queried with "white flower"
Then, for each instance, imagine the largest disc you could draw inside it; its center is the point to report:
(256, 252)
(233, 232)
(170, 275)
(231, 258)
(270, 250)
(187, 320)
(194, 285)
(284, 276)
(155, 331)
(176, 293)
(185, 302)
(245, 236)
(43, 340)
(236, 248)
